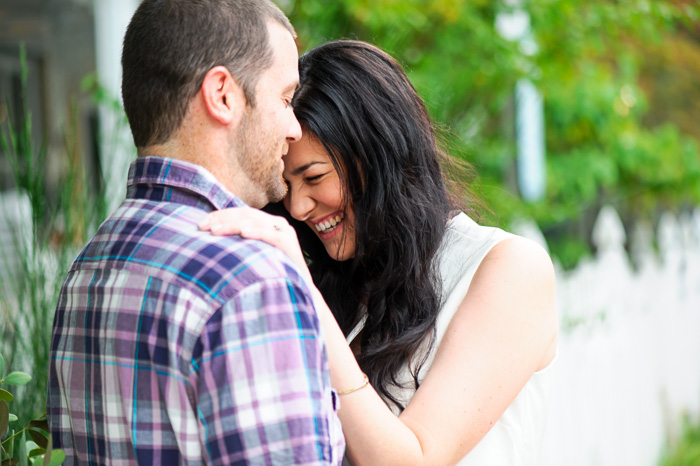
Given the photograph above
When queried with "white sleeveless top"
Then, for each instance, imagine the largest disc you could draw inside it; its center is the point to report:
(515, 439)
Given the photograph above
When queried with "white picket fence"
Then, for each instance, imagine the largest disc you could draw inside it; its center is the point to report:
(629, 350)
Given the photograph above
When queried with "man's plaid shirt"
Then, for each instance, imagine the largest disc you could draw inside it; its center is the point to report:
(172, 346)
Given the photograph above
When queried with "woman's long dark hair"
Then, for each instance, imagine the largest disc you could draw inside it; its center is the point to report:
(356, 100)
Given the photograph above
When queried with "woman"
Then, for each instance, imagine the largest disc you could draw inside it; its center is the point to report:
(454, 324)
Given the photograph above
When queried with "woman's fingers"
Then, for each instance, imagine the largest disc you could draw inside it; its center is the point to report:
(236, 220)
(253, 224)
(262, 232)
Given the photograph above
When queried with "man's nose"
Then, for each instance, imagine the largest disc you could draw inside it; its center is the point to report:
(294, 130)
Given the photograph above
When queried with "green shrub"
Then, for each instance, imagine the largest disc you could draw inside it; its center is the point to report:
(685, 451)
(15, 449)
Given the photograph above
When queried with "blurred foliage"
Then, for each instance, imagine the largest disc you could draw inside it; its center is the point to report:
(59, 224)
(620, 87)
(684, 451)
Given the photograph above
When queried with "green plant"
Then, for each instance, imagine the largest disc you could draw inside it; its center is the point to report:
(684, 451)
(28, 293)
(38, 450)
(62, 213)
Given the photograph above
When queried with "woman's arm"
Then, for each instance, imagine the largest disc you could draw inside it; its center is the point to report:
(504, 330)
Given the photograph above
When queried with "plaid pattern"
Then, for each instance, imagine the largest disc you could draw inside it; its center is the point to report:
(172, 346)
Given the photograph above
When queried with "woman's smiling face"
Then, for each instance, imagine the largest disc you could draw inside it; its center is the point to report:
(315, 197)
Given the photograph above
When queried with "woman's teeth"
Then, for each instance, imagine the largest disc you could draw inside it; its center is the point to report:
(330, 224)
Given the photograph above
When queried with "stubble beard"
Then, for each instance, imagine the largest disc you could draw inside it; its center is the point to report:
(257, 152)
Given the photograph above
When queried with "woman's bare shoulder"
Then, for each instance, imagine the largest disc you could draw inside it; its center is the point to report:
(522, 256)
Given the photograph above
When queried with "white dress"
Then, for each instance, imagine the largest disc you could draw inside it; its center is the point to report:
(515, 439)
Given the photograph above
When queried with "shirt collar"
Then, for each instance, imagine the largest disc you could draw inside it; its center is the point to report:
(163, 176)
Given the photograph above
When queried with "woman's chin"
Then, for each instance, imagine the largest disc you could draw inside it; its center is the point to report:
(340, 255)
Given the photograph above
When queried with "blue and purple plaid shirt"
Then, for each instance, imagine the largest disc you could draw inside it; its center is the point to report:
(172, 346)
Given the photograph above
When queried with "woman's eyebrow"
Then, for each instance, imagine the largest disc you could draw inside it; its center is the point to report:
(303, 168)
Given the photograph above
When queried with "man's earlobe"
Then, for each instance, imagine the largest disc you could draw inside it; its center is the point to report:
(223, 96)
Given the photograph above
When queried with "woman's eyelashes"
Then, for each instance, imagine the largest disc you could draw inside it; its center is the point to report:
(314, 178)
(307, 179)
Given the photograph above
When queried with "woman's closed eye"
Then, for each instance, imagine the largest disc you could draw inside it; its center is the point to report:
(314, 178)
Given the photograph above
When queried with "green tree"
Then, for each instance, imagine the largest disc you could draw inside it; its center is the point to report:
(601, 148)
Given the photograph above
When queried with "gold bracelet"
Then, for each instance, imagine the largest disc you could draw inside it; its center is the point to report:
(365, 382)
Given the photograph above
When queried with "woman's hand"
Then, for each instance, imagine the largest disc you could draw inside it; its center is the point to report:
(255, 224)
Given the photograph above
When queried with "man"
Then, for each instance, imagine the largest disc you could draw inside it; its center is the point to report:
(171, 346)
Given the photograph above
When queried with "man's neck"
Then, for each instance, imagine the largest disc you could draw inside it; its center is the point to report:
(233, 179)
(200, 140)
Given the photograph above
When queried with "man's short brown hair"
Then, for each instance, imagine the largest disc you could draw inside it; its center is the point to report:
(169, 47)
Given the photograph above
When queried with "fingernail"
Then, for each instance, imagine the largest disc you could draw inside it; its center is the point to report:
(204, 224)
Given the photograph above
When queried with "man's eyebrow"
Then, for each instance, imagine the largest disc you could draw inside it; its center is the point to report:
(299, 170)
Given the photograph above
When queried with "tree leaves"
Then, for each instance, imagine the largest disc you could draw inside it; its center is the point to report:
(590, 69)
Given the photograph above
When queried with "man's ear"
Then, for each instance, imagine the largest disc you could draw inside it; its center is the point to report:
(223, 96)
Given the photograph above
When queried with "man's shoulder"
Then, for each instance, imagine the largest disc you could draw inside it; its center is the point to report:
(162, 239)
(240, 263)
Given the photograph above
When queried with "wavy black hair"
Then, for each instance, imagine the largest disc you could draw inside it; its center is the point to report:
(358, 103)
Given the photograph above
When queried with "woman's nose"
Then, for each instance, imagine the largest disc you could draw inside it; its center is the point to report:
(298, 204)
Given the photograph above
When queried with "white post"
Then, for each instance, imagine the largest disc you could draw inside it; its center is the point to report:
(529, 118)
(116, 145)
(514, 25)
